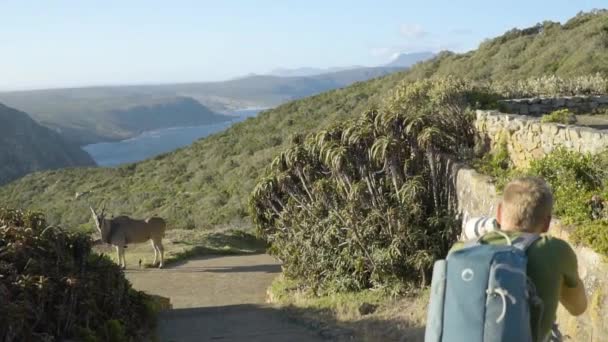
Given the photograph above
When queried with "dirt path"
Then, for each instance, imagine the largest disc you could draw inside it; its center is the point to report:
(219, 299)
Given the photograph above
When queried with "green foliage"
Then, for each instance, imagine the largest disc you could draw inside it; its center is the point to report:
(364, 203)
(53, 288)
(574, 177)
(563, 116)
(115, 331)
(203, 185)
(551, 85)
(496, 164)
(594, 234)
(207, 183)
(578, 47)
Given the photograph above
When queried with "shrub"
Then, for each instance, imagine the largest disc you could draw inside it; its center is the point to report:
(574, 178)
(364, 204)
(592, 84)
(594, 234)
(563, 116)
(53, 288)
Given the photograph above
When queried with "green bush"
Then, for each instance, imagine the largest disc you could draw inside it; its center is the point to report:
(563, 116)
(364, 204)
(594, 234)
(574, 178)
(52, 287)
(496, 164)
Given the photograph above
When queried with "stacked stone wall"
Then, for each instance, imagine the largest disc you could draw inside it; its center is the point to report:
(526, 138)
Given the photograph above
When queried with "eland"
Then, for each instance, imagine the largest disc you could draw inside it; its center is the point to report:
(122, 230)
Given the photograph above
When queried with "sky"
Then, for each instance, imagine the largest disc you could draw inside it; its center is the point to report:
(70, 43)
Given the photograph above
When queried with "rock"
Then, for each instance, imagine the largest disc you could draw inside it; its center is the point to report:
(367, 309)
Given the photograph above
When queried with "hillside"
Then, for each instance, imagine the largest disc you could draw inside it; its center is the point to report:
(577, 47)
(26, 146)
(88, 115)
(208, 183)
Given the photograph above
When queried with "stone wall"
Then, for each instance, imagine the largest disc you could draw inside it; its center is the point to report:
(538, 105)
(477, 196)
(526, 138)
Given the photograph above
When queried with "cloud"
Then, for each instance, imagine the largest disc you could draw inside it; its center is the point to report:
(414, 31)
(394, 55)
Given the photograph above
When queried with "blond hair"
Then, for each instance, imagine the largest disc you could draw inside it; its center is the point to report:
(527, 204)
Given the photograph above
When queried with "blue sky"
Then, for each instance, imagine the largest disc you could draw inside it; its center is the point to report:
(63, 43)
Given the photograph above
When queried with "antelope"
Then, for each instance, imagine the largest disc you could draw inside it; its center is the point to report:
(123, 230)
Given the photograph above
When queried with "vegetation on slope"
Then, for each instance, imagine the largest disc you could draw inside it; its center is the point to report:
(580, 187)
(578, 47)
(366, 202)
(53, 288)
(204, 184)
(26, 146)
(208, 182)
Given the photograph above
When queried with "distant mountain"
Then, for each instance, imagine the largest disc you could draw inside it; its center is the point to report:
(307, 71)
(90, 115)
(26, 146)
(403, 60)
(94, 114)
(171, 112)
(406, 60)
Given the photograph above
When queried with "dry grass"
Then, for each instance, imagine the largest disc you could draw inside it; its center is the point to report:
(338, 316)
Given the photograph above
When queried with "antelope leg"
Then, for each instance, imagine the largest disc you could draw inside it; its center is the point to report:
(161, 250)
(121, 256)
(155, 252)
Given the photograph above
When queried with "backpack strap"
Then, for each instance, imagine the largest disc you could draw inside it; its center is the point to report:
(524, 241)
(479, 240)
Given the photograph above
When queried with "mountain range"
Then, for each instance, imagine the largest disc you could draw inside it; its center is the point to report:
(95, 114)
(208, 183)
(402, 60)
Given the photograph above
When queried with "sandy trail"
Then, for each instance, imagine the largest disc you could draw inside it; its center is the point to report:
(219, 298)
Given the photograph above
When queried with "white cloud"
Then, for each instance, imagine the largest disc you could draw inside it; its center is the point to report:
(394, 55)
(414, 31)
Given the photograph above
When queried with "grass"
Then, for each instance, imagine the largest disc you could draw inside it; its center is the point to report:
(182, 244)
(562, 116)
(340, 317)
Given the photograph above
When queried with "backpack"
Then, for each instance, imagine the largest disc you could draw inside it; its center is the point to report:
(481, 293)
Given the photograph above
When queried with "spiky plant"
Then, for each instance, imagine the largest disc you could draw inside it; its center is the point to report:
(366, 203)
